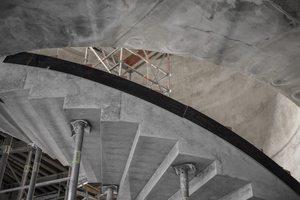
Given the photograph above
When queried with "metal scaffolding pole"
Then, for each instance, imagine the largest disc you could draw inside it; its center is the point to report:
(6, 148)
(169, 75)
(34, 174)
(85, 56)
(13, 172)
(155, 75)
(68, 183)
(79, 128)
(182, 171)
(100, 59)
(25, 174)
(121, 62)
(141, 57)
(109, 54)
(19, 150)
(37, 185)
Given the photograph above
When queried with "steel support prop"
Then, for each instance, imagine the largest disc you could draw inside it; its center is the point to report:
(182, 171)
(68, 184)
(109, 191)
(34, 173)
(6, 147)
(79, 128)
(25, 174)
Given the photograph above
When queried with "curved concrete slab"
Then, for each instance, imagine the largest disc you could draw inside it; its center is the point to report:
(197, 135)
(258, 38)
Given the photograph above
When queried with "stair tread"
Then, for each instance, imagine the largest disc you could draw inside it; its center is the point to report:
(50, 112)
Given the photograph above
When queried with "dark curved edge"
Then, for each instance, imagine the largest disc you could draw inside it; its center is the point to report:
(158, 99)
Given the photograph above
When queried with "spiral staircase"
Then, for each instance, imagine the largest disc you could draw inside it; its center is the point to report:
(137, 135)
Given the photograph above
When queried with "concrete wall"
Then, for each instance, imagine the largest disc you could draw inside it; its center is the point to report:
(256, 112)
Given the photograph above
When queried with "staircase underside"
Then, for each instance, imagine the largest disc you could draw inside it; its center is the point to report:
(133, 142)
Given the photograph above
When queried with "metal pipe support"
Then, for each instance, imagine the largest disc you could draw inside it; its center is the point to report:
(6, 147)
(34, 174)
(182, 171)
(79, 127)
(25, 174)
(110, 193)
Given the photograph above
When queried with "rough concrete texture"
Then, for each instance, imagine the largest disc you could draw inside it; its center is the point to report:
(194, 144)
(259, 114)
(262, 116)
(255, 37)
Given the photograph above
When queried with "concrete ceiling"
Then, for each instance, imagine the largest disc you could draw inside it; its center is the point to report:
(259, 38)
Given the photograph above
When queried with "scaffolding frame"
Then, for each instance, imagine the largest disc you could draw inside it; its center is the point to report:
(120, 68)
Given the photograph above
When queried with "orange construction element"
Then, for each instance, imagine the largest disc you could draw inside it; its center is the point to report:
(133, 59)
(261, 150)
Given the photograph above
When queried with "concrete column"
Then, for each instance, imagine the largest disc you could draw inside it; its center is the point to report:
(6, 148)
(182, 171)
(34, 174)
(25, 174)
(79, 127)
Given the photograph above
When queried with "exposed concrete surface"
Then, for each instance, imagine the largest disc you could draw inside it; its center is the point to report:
(194, 143)
(140, 171)
(159, 120)
(255, 37)
(255, 111)
(259, 114)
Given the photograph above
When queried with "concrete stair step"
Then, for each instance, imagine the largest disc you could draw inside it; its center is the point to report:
(50, 111)
(9, 124)
(78, 92)
(34, 118)
(242, 193)
(27, 120)
(211, 185)
(164, 183)
(119, 152)
(117, 140)
(148, 154)
(106, 148)
(217, 187)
